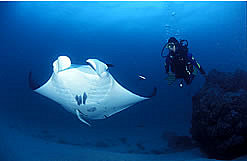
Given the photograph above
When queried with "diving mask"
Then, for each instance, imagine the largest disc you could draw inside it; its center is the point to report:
(170, 45)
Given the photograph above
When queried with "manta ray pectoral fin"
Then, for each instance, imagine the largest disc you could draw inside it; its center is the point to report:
(81, 119)
(35, 83)
(110, 65)
(32, 83)
(98, 66)
(153, 93)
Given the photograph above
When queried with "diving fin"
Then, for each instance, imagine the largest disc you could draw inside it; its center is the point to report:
(195, 71)
(78, 113)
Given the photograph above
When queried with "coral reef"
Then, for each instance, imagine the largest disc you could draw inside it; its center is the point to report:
(219, 115)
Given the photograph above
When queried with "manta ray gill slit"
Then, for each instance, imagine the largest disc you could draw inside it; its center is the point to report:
(78, 100)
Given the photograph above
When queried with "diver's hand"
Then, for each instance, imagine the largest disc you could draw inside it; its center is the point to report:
(171, 73)
(171, 78)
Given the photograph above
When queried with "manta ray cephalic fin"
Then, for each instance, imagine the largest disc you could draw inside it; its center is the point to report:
(98, 66)
(81, 119)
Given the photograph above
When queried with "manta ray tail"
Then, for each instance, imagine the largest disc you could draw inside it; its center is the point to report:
(81, 119)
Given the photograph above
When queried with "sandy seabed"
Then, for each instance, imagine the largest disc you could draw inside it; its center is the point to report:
(92, 144)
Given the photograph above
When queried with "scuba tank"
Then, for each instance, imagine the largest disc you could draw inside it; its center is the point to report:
(184, 46)
(181, 55)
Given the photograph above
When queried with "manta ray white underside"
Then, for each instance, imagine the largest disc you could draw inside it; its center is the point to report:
(89, 91)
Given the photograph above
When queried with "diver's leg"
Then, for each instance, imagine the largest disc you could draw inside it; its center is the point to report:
(188, 79)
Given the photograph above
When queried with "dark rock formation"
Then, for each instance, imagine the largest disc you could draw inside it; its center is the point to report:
(219, 117)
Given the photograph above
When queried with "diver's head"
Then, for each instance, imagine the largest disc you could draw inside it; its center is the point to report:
(172, 44)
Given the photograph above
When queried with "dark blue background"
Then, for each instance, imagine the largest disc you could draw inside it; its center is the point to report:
(129, 35)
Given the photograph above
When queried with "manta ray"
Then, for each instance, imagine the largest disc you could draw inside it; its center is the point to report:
(88, 91)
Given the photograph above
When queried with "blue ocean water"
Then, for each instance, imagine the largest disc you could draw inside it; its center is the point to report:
(129, 35)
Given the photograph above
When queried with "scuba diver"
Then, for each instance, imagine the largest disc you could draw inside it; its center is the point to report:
(182, 62)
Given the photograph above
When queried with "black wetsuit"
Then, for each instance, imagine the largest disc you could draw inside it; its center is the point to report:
(182, 64)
